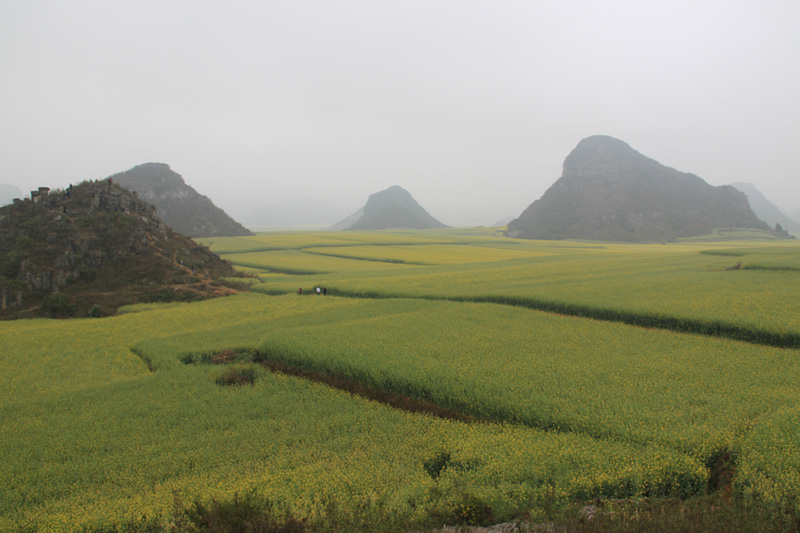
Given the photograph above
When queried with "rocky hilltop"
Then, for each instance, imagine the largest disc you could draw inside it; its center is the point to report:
(765, 209)
(610, 192)
(180, 206)
(94, 246)
(391, 208)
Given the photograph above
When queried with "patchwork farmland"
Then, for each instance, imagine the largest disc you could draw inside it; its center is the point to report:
(582, 372)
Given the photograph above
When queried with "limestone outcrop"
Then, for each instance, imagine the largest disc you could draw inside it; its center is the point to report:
(180, 206)
(610, 192)
(392, 208)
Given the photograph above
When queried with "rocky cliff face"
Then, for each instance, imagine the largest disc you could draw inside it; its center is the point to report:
(180, 206)
(610, 192)
(389, 209)
(97, 243)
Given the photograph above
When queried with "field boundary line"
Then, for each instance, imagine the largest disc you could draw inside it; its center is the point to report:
(668, 323)
(148, 361)
(411, 398)
(380, 395)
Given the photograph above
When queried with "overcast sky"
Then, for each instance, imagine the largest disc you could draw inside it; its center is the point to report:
(470, 105)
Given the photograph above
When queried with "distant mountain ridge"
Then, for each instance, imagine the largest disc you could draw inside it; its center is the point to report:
(610, 192)
(179, 205)
(766, 210)
(392, 208)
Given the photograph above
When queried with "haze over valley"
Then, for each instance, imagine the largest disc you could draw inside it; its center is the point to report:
(469, 106)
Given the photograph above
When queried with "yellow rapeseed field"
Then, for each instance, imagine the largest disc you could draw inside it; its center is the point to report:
(92, 436)
(112, 422)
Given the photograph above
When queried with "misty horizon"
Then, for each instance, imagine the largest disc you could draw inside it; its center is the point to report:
(316, 213)
(471, 107)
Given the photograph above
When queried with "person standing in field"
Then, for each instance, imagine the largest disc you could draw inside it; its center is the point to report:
(300, 291)
(318, 290)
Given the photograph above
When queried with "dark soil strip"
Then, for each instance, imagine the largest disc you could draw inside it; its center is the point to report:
(359, 389)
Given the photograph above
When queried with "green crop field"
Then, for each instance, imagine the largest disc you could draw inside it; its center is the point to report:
(583, 371)
(694, 288)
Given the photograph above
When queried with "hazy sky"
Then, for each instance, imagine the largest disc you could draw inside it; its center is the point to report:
(470, 105)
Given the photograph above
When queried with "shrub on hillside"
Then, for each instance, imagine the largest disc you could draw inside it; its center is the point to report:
(58, 306)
